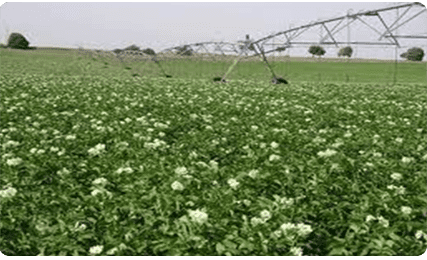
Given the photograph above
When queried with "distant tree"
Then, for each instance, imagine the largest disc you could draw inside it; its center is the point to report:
(413, 54)
(133, 47)
(185, 50)
(316, 50)
(117, 51)
(280, 49)
(17, 41)
(346, 51)
(149, 51)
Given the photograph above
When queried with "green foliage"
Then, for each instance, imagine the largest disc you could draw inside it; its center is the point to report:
(280, 49)
(149, 51)
(100, 157)
(75, 63)
(117, 51)
(413, 54)
(346, 51)
(316, 50)
(17, 41)
(132, 47)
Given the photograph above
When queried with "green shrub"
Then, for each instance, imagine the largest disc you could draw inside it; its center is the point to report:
(149, 51)
(346, 51)
(413, 54)
(17, 41)
(316, 50)
(132, 48)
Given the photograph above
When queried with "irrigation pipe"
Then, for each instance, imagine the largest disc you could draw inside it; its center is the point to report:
(275, 80)
(236, 60)
(161, 68)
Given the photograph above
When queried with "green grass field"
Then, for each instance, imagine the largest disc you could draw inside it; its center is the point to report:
(71, 62)
(95, 161)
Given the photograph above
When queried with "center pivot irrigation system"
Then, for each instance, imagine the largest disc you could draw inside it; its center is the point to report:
(377, 27)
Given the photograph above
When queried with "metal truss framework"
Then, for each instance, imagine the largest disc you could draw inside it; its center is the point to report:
(285, 39)
(384, 34)
(222, 48)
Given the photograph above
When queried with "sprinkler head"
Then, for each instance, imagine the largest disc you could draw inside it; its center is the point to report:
(219, 79)
(279, 80)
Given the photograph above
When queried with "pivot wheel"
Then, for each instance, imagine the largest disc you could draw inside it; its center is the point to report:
(219, 80)
(279, 80)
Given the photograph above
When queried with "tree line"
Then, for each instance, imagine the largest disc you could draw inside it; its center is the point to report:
(18, 41)
(413, 54)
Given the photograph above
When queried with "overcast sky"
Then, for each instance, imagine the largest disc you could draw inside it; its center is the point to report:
(160, 25)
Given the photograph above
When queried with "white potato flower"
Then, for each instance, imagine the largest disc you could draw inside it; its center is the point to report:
(213, 165)
(233, 183)
(277, 233)
(96, 250)
(384, 222)
(97, 150)
(407, 159)
(198, 216)
(256, 221)
(399, 140)
(391, 187)
(8, 193)
(112, 251)
(274, 145)
(128, 170)
(100, 181)
(396, 176)
(96, 192)
(287, 226)
(296, 251)
(303, 229)
(406, 210)
(253, 173)
(10, 143)
(419, 234)
(177, 186)
(348, 134)
(327, 153)
(14, 161)
(70, 137)
(265, 215)
(370, 217)
(181, 170)
(400, 190)
(274, 157)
